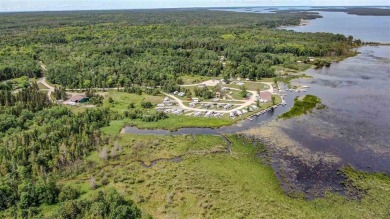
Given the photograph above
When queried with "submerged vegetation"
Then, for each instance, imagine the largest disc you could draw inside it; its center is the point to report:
(71, 162)
(208, 181)
(307, 104)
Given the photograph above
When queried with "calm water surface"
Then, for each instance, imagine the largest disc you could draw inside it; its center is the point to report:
(366, 28)
(356, 92)
(354, 128)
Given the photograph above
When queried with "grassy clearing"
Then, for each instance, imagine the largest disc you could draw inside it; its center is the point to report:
(218, 185)
(122, 100)
(250, 85)
(195, 79)
(287, 79)
(76, 109)
(173, 123)
(42, 86)
(307, 104)
(299, 67)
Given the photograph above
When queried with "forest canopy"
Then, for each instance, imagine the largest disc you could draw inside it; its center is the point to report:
(155, 47)
(41, 142)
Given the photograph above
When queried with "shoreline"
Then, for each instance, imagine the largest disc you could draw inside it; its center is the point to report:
(122, 130)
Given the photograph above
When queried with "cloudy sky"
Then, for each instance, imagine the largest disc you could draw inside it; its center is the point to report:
(53, 5)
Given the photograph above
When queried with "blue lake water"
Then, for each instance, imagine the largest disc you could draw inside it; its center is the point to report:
(366, 28)
(354, 127)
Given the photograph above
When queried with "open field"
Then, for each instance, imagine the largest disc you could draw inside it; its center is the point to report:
(250, 85)
(122, 100)
(194, 79)
(172, 123)
(210, 183)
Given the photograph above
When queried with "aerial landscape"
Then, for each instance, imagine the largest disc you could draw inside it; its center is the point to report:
(198, 109)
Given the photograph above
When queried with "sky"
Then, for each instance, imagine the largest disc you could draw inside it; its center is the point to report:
(58, 5)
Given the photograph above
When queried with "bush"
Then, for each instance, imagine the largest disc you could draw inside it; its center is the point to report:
(68, 193)
(105, 181)
(131, 106)
(96, 100)
(154, 117)
(146, 105)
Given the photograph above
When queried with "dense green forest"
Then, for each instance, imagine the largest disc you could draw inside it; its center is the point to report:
(38, 140)
(42, 143)
(155, 48)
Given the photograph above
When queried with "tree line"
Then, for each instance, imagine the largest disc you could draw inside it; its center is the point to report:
(39, 140)
(156, 48)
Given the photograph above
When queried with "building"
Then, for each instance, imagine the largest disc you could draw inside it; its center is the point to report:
(79, 99)
(265, 96)
(218, 94)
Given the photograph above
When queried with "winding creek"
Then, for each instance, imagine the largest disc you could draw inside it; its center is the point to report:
(308, 151)
(238, 127)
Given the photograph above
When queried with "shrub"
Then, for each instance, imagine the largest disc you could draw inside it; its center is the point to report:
(146, 105)
(68, 193)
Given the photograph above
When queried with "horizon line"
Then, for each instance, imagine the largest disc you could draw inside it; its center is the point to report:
(205, 7)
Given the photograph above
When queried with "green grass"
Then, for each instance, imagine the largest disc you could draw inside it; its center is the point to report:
(42, 86)
(287, 79)
(195, 79)
(307, 104)
(122, 100)
(175, 122)
(218, 185)
(115, 127)
(250, 85)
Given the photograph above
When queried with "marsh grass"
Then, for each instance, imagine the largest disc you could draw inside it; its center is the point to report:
(218, 185)
(307, 104)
